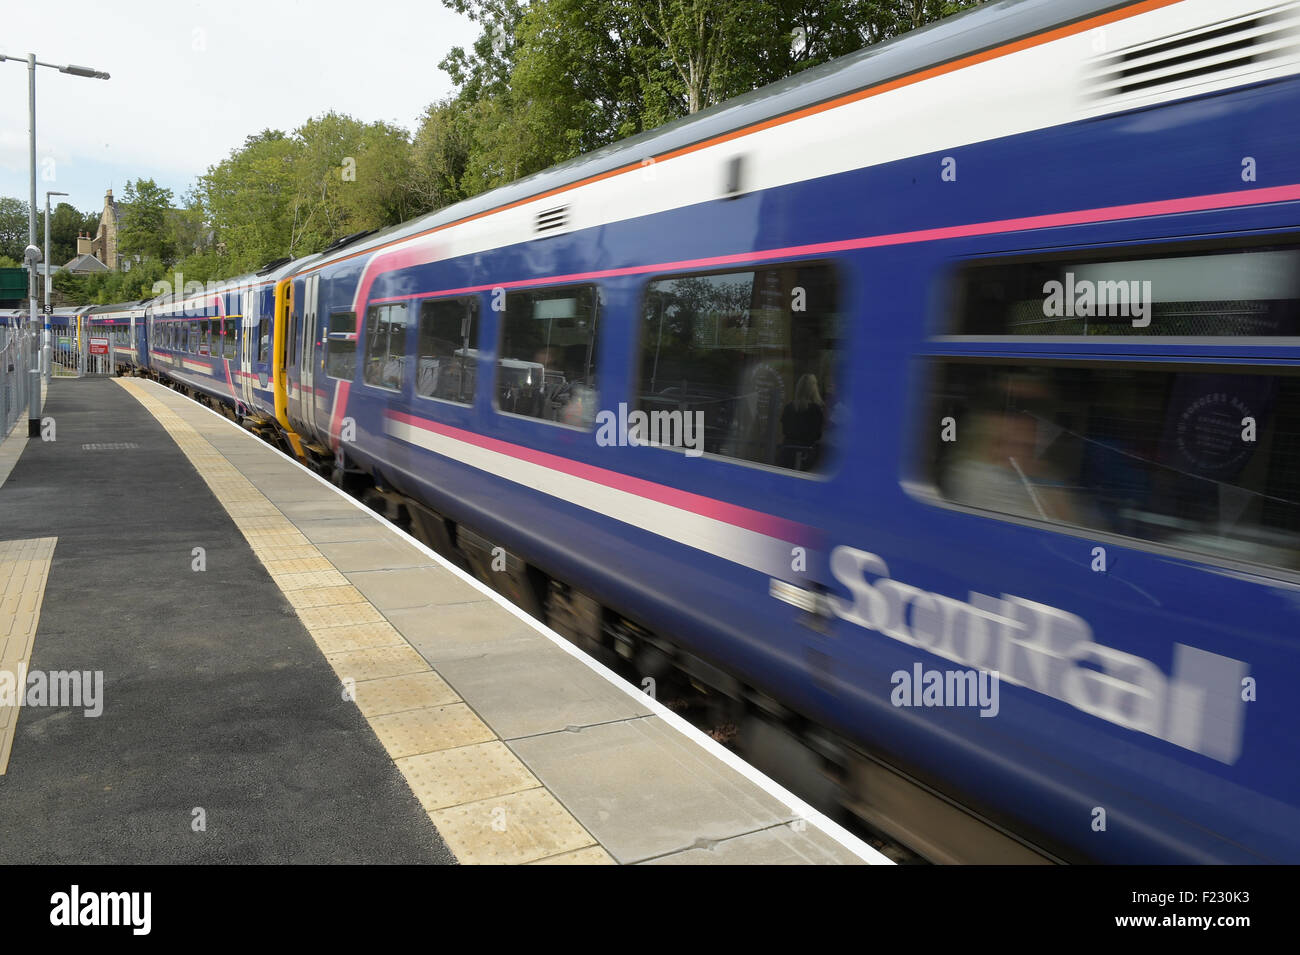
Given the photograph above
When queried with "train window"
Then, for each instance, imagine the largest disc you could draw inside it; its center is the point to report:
(447, 359)
(1202, 458)
(263, 339)
(341, 346)
(742, 363)
(547, 365)
(386, 346)
(205, 337)
(1245, 291)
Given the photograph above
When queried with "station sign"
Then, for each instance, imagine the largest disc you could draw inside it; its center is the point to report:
(99, 346)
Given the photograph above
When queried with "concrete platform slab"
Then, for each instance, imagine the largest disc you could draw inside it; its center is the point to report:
(463, 630)
(412, 589)
(644, 791)
(524, 691)
(353, 556)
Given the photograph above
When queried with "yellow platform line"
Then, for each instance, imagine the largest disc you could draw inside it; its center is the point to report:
(487, 806)
(24, 568)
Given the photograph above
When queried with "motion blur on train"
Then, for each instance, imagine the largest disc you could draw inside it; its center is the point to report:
(934, 413)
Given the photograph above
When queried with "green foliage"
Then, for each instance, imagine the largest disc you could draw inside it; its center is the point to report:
(440, 154)
(106, 288)
(66, 223)
(558, 78)
(249, 198)
(292, 194)
(143, 230)
(13, 228)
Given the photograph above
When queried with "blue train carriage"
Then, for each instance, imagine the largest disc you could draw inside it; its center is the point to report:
(947, 427)
(216, 347)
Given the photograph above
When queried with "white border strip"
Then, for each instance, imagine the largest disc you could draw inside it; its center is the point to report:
(793, 803)
(740, 545)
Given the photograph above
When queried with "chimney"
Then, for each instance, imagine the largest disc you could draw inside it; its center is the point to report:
(83, 244)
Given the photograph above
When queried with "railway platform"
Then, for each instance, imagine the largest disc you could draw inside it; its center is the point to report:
(212, 655)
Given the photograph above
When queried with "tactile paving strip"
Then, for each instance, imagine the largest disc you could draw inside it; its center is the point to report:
(24, 568)
(487, 806)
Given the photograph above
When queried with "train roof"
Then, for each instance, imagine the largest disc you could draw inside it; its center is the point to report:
(961, 35)
(116, 307)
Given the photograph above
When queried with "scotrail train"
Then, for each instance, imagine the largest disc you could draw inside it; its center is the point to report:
(988, 341)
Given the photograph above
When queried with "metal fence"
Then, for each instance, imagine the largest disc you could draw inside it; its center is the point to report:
(72, 354)
(63, 354)
(17, 357)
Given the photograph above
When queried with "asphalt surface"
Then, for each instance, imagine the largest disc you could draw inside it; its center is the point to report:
(215, 696)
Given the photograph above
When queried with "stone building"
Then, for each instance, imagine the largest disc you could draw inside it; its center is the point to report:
(87, 261)
(104, 245)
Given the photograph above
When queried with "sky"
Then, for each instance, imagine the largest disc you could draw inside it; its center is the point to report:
(190, 79)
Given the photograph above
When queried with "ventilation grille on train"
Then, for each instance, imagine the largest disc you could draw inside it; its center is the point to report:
(1222, 50)
(552, 219)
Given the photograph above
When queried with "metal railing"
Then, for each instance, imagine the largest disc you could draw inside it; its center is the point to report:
(63, 353)
(17, 355)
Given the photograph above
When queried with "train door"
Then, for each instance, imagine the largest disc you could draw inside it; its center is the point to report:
(247, 347)
(293, 350)
(308, 364)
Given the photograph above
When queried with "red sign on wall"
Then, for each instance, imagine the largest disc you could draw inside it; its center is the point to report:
(99, 346)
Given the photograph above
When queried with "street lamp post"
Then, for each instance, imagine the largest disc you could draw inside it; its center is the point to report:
(34, 404)
(46, 354)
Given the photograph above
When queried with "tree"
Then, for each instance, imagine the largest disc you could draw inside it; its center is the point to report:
(440, 154)
(559, 78)
(144, 229)
(66, 224)
(249, 200)
(13, 227)
(381, 193)
(485, 69)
